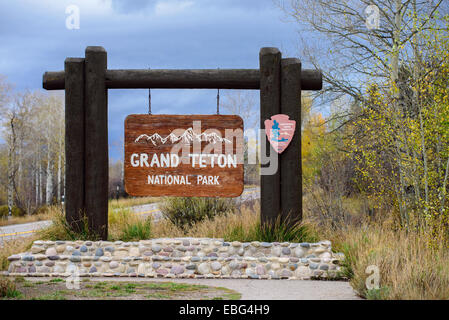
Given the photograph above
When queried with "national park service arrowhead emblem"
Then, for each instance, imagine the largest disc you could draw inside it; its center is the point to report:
(280, 131)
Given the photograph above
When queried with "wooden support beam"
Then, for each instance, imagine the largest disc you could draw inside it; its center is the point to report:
(74, 142)
(96, 141)
(184, 79)
(270, 99)
(290, 159)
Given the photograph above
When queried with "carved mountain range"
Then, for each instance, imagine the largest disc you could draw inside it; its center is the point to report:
(187, 137)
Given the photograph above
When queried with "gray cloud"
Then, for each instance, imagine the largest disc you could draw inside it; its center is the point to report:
(206, 34)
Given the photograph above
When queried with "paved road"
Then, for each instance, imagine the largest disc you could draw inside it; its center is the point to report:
(21, 230)
(263, 289)
(27, 229)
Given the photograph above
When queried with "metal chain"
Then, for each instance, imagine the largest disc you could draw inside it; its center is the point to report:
(218, 98)
(218, 101)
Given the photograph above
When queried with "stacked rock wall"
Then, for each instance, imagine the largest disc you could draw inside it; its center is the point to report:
(180, 257)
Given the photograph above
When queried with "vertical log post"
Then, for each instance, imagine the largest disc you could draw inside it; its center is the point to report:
(270, 99)
(74, 142)
(290, 159)
(96, 141)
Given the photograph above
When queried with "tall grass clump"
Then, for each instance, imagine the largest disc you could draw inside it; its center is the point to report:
(276, 232)
(8, 288)
(185, 212)
(61, 230)
(124, 225)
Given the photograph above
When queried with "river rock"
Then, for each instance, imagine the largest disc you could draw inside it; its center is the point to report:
(204, 268)
(51, 252)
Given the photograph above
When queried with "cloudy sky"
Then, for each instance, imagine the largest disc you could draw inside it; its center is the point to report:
(141, 34)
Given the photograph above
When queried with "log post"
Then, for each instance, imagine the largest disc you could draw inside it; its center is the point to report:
(74, 142)
(270, 99)
(96, 142)
(290, 159)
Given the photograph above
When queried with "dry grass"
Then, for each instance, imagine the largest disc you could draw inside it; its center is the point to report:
(10, 247)
(408, 267)
(208, 228)
(25, 219)
(412, 265)
(242, 225)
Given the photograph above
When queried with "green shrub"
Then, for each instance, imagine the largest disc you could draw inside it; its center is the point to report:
(8, 288)
(139, 230)
(15, 211)
(42, 210)
(185, 212)
(3, 211)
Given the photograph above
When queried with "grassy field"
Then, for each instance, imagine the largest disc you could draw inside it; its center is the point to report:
(56, 289)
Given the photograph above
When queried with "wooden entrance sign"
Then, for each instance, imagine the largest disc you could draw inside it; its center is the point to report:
(184, 155)
(86, 82)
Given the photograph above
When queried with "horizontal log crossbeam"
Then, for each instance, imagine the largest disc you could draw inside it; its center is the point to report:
(184, 79)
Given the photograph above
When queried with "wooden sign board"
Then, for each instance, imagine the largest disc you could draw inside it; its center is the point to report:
(184, 155)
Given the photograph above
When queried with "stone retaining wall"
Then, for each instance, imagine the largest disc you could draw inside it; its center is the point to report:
(180, 257)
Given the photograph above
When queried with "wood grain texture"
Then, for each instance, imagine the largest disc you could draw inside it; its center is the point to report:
(290, 159)
(183, 79)
(136, 178)
(96, 141)
(270, 100)
(186, 79)
(74, 142)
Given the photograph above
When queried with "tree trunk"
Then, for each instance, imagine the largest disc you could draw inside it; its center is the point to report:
(59, 175)
(36, 191)
(10, 180)
(49, 186)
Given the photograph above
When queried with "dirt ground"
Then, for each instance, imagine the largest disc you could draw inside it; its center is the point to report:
(56, 289)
